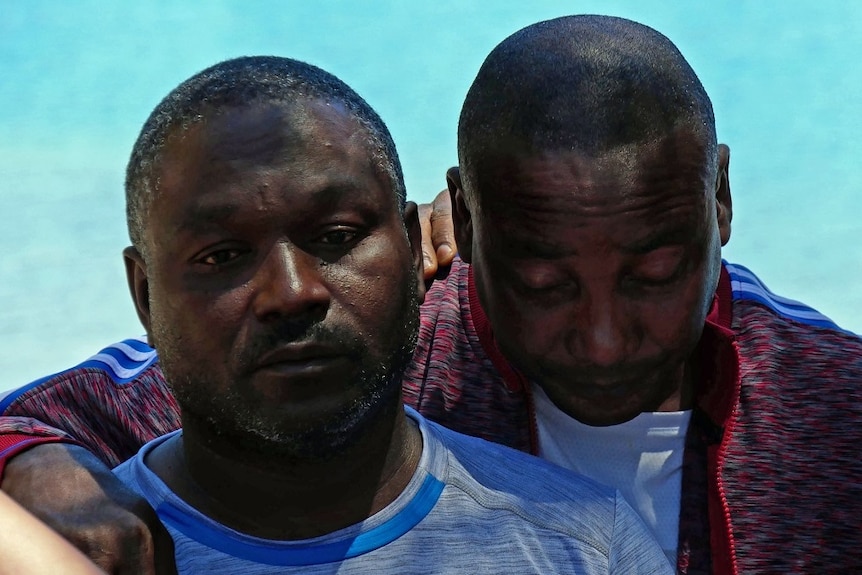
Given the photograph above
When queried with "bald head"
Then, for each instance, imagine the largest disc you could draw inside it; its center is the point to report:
(591, 84)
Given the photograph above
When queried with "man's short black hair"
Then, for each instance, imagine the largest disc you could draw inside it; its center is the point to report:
(586, 83)
(236, 83)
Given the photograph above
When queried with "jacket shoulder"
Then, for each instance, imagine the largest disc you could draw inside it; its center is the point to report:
(113, 402)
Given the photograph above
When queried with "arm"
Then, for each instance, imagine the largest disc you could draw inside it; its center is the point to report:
(29, 546)
(96, 416)
(111, 404)
(76, 494)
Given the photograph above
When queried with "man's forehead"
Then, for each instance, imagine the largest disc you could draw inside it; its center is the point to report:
(246, 153)
(677, 165)
(231, 129)
(264, 133)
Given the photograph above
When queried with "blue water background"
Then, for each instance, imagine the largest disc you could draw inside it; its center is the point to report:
(77, 80)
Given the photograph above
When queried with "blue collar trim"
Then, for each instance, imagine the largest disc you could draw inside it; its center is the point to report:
(287, 553)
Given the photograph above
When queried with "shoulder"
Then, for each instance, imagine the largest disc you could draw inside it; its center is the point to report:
(495, 475)
(793, 448)
(439, 318)
(792, 358)
(789, 336)
(800, 397)
(446, 294)
(528, 499)
(449, 365)
(748, 289)
(129, 363)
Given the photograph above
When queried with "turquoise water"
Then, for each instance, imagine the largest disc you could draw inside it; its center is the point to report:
(77, 80)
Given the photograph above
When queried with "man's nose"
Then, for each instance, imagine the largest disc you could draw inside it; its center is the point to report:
(289, 284)
(602, 331)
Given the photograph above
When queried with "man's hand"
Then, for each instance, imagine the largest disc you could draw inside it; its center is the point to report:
(438, 234)
(77, 495)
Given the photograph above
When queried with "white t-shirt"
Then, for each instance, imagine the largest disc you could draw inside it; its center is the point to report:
(471, 507)
(642, 458)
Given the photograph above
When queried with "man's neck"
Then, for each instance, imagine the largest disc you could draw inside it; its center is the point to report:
(292, 499)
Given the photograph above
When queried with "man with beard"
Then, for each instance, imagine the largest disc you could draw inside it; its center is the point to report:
(591, 320)
(276, 268)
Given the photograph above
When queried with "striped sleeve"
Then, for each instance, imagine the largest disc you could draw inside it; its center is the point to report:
(112, 403)
(747, 286)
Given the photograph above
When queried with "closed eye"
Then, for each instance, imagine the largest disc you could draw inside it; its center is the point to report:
(547, 292)
(659, 268)
(656, 281)
(652, 282)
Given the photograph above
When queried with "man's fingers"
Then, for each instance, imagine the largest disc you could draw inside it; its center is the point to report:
(429, 253)
(443, 229)
(438, 234)
(122, 546)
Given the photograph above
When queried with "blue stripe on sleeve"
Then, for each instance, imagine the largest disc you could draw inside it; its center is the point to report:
(122, 361)
(747, 286)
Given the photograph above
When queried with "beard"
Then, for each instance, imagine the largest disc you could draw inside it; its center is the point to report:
(228, 413)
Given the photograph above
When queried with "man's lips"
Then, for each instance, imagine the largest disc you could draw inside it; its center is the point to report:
(592, 382)
(301, 359)
(603, 387)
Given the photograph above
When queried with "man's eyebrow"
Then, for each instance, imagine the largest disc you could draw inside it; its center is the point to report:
(203, 216)
(342, 191)
(531, 248)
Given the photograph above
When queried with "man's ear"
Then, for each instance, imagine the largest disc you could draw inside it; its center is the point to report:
(461, 216)
(723, 203)
(414, 234)
(139, 287)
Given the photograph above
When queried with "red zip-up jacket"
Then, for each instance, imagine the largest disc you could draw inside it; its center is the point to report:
(772, 471)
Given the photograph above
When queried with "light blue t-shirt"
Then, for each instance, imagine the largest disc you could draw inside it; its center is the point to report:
(471, 507)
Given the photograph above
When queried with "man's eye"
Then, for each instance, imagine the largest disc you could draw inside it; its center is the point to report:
(338, 237)
(656, 280)
(547, 288)
(220, 257)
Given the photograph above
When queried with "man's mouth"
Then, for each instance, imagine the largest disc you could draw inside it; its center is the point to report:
(302, 359)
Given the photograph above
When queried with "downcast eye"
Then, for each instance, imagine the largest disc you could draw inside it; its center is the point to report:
(338, 237)
(219, 257)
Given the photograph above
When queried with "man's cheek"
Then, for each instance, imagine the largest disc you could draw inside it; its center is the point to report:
(532, 332)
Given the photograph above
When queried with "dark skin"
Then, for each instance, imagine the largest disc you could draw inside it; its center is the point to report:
(607, 271)
(271, 227)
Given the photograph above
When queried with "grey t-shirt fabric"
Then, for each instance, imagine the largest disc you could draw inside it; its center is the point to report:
(471, 507)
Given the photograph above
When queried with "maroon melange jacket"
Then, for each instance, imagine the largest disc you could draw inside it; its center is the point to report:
(772, 473)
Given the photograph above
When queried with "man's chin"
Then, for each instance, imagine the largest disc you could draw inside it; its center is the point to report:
(321, 439)
(601, 410)
(595, 418)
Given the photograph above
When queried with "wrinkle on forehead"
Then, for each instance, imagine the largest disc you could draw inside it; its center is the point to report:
(656, 176)
(262, 136)
(262, 131)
